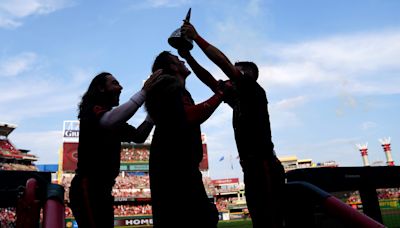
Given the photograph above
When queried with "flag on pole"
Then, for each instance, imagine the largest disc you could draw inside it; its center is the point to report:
(230, 160)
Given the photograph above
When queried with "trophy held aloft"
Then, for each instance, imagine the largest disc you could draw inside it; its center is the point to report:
(179, 41)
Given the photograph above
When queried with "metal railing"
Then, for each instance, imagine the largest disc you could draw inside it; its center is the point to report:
(365, 180)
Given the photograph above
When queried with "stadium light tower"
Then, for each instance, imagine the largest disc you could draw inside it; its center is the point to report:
(388, 151)
(364, 153)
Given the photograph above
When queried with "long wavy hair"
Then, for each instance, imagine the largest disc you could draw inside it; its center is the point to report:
(163, 61)
(93, 95)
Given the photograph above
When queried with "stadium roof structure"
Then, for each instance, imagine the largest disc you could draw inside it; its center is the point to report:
(288, 158)
(6, 129)
(304, 160)
(13, 152)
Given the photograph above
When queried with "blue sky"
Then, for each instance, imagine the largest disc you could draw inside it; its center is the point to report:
(330, 68)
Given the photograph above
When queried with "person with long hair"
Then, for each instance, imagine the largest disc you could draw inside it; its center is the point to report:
(176, 149)
(103, 126)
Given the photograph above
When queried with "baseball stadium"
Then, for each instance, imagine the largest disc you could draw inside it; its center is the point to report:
(316, 195)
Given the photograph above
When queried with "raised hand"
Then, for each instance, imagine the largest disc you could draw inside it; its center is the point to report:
(227, 90)
(184, 53)
(152, 79)
(188, 30)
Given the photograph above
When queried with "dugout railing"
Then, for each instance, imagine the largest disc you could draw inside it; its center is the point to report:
(310, 191)
(38, 202)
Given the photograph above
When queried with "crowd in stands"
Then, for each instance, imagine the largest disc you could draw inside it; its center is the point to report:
(132, 185)
(354, 198)
(383, 194)
(14, 166)
(121, 210)
(132, 180)
(210, 189)
(68, 212)
(8, 217)
(66, 183)
(13, 159)
(388, 193)
(134, 154)
(7, 148)
(119, 194)
(127, 210)
(222, 204)
(127, 185)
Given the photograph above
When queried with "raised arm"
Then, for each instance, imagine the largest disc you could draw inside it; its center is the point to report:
(199, 71)
(124, 112)
(143, 130)
(213, 53)
(199, 113)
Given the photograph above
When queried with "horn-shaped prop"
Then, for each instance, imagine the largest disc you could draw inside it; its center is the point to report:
(178, 41)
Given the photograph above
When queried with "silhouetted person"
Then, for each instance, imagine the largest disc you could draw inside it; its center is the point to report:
(102, 129)
(264, 176)
(178, 195)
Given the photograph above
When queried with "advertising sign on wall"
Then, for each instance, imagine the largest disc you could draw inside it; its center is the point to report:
(70, 156)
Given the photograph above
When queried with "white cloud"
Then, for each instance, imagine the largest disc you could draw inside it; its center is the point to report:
(348, 63)
(17, 64)
(37, 100)
(293, 74)
(290, 103)
(220, 117)
(32, 92)
(21, 91)
(8, 23)
(45, 144)
(283, 113)
(368, 62)
(254, 7)
(12, 12)
(343, 67)
(349, 53)
(368, 125)
(284, 120)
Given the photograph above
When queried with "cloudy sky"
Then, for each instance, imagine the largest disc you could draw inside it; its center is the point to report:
(330, 68)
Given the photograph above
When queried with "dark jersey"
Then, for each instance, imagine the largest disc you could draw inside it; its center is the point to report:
(251, 120)
(175, 154)
(100, 148)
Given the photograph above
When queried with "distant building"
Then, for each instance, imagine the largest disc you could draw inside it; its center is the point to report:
(292, 162)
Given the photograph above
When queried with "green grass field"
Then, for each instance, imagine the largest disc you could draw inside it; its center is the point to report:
(235, 224)
(221, 224)
(391, 219)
